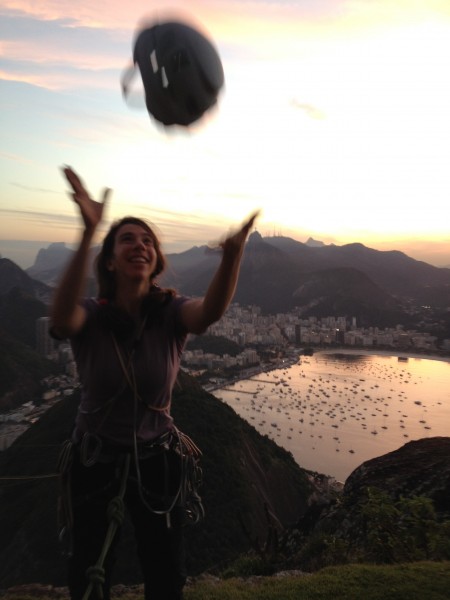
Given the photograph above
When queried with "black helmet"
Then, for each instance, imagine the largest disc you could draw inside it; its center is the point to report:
(181, 71)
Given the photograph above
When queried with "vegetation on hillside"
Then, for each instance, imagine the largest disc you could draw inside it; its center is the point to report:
(21, 367)
(214, 344)
(388, 531)
(19, 311)
(414, 581)
(21, 370)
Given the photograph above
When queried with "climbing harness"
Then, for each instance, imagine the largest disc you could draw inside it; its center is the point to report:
(190, 478)
(185, 495)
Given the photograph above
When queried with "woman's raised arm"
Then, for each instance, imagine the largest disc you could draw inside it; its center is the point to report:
(198, 314)
(66, 313)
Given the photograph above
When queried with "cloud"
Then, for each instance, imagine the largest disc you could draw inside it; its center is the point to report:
(50, 53)
(44, 218)
(309, 109)
(102, 14)
(33, 189)
(57, 81)
(16, 158)
(47, 54)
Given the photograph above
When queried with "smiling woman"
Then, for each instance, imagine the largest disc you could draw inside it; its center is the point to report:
(125, 450)
(130, 256)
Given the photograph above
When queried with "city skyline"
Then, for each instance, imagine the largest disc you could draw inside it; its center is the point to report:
(334, 122)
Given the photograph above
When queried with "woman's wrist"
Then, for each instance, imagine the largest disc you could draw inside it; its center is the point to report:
(88, 234)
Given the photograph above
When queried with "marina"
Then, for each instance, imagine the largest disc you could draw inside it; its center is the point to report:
(335, 410)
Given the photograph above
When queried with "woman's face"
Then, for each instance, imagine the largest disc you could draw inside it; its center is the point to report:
(134, 255)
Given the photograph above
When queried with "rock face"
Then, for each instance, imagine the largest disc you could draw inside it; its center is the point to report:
(360, 534)
(419, 468)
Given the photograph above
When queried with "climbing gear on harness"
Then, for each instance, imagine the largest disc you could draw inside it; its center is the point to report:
(64, 506)
(190, 479)
(92, 449)
(128, 371)
(115, 515)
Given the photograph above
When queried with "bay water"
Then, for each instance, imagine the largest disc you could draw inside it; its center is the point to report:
(335, 410)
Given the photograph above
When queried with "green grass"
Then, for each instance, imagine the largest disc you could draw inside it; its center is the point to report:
(413, 581)
(416, 581)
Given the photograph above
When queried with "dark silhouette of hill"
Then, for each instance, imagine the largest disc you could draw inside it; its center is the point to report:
(275, 268)
(392, 270)
(276, 271)
(415, 475)
(12, 276)
(214, 344)
(51, 261)
(19, 310)
(353, 294)
(243, 473)
(21, 367)
(21, 371)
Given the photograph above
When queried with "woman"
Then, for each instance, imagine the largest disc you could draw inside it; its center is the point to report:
(125, 448)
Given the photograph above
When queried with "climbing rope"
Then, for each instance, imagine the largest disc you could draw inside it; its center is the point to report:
(115, 516)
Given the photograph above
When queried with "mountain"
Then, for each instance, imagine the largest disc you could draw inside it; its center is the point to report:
(12, 276)
(312, 243)
(21, 371)
(246, 477)
(394, 271)
(19, 310)
(265, 278)
(279, 273)
(51, 261)
(394, 508)
(22, 301)
(353, 293)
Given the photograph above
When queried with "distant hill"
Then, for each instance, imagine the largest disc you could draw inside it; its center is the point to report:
(279, 274)
(22, 301)
(19, 310)
(21, 370)
(353, 293)
(314, 243)
(12, 276)
(51, 261)
(244, 473)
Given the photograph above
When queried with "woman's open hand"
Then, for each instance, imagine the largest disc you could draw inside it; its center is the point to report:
(234, 244)
(91, 211)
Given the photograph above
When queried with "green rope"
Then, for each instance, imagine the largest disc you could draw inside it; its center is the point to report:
(115, 516)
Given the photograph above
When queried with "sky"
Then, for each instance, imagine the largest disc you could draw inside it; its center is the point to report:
(334, 121)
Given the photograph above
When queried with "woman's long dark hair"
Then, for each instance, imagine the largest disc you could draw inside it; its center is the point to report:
(105, 277)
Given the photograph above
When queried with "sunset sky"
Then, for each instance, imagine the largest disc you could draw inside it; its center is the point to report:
(334, 121)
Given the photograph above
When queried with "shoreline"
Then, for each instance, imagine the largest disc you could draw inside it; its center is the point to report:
(290, 361)
(368, 352)
(301, 422)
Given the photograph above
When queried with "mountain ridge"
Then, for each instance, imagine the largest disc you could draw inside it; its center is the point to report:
(275, 268)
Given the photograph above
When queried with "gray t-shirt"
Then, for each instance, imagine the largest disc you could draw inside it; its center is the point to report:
(116, 406)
